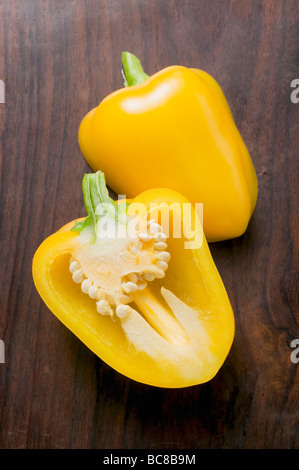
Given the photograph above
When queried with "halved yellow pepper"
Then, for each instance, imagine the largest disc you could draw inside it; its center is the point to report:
(175, 130)
(182, 325)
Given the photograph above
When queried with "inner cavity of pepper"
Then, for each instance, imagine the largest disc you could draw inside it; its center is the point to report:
(115, 273)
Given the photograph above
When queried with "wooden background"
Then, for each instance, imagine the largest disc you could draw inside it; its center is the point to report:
(58, 59)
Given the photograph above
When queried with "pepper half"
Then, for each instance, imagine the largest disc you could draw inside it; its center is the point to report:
(135, 281)
(175, 130)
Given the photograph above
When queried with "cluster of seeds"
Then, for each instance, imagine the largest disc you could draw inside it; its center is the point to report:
(155, 239)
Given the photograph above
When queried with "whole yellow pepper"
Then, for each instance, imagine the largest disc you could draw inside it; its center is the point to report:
(176, 329)
(175, 130)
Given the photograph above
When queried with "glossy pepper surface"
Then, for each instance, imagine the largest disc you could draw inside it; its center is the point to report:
(150, 302)
(175, 130)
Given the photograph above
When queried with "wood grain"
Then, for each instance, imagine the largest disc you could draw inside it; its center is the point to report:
(59, 59)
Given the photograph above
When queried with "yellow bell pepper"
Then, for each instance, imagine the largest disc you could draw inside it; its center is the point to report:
(175, 130)
(135, 281)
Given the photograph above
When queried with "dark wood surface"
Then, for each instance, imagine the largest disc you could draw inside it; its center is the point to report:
(58, 59)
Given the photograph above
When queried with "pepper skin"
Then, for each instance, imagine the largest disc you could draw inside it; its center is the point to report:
(175, 130)
(196, 331)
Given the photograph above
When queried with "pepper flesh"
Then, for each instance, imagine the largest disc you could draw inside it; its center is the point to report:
(191, 291)
(174, 130)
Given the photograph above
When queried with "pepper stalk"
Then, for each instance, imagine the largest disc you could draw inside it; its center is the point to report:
(133, 73)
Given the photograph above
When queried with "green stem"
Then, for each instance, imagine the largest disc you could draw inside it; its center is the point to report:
(132, 70)
(98, 204)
